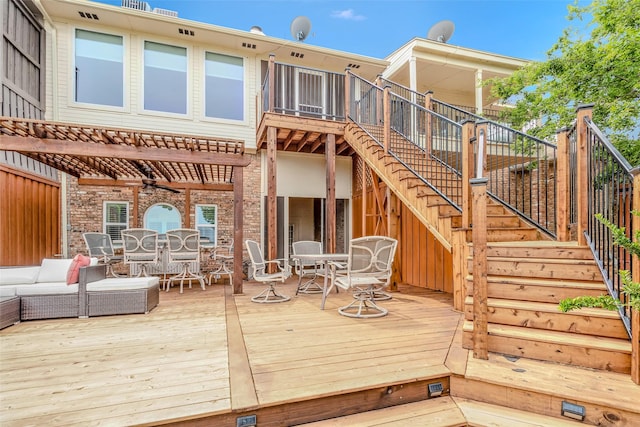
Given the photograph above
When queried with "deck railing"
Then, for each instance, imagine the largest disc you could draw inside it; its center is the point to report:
(610, 187)
(304, 92)
(428, 144)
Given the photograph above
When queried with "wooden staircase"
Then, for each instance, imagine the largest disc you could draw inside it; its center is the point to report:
(528, 275)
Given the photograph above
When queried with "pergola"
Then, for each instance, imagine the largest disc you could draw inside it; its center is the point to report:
(124, 157)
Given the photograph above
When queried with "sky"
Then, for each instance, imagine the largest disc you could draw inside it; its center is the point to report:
(524, 29)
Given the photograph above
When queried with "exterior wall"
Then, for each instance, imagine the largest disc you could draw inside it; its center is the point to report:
(86, 206)
(133, 115)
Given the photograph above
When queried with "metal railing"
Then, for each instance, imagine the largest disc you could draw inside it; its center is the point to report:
(305, 92)
(610, 194)
(427, 144)
(521, 168)
(522, 171)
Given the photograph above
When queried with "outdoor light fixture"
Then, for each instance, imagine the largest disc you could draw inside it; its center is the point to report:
(247, 421)
(435, 389)
(571, 410)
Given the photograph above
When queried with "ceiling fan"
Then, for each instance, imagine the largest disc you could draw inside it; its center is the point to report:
(150, 181)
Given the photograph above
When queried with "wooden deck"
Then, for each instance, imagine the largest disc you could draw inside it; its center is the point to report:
(207, 357)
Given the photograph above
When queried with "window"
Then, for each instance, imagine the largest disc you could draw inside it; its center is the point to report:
(206, 222)
(224, 86)
(165, 78)
(99, 70)
(162, 217)
(116, 219)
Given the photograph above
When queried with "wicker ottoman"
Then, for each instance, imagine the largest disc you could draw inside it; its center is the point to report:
(9, 311)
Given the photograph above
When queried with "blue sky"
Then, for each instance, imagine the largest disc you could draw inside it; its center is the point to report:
(520, 28)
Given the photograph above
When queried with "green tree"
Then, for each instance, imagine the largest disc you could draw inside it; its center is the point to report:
(630, 288)
(603, 69)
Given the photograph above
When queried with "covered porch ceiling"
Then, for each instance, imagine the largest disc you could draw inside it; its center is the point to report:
(123, 157)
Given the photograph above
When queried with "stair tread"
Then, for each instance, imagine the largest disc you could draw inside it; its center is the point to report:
(542, 260)
(486, 414)
(440, 412)
(555, 337)
(546, 307)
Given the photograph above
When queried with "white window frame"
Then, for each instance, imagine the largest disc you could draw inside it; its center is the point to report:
(189, 99)
(106, 223)
(207, 225)
(125, 75)
(204, 90)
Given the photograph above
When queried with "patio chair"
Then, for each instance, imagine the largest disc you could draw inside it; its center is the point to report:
(100, 245)
(140, 248)
(368, 271)
(222, 256)
(259, 267)
(307, 269)
(184, 248)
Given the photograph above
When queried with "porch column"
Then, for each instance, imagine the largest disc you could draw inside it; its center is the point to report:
(272, 204)
(479, 98)
(238, 228)
(330, 154)
(413, 75)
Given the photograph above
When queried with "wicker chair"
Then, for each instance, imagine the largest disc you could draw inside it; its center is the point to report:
(259, 266)
(184, 248)
(140, 248)
(368, 272)
(305, 269)
(100, 246)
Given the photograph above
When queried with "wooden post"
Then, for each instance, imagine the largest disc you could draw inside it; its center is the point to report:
(479, 233)
(272, 82)
(468, 138)
(428, 101)
(136, 204)
(272, 202)
(330, 154)
(635, 266)
(238, 226)
(364, 197)
(562, 186)
(187, 208)
(583, 111)
(394, 227)
(386, 96)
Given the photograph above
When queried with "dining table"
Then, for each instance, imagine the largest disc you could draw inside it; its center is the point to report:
(323, 260)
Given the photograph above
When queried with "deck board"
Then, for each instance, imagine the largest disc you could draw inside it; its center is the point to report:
(213, 354)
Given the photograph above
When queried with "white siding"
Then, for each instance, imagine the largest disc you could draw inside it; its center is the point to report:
(132, 115)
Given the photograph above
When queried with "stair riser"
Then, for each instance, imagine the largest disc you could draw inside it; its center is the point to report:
(541, 403)
(493, 221)
(578, 356)
(536, 293)
(562, 322)
(555, 270)
(550, 252)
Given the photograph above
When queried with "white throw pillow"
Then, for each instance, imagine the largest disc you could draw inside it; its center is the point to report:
(18, 275)
(54, 270)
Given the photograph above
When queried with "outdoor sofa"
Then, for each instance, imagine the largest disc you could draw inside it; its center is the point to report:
(44, 291)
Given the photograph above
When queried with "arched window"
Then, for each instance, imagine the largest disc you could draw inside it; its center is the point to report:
(162, 217)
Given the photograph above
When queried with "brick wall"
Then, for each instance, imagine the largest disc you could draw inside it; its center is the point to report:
(85, 206)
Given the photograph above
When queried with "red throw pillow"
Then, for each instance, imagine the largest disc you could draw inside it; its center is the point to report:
(73, 273)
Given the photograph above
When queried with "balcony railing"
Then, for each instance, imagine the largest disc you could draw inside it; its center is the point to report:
(304, 92)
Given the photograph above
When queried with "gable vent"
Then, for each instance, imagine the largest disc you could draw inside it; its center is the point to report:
(248, 45)
(186, 32)
(88, 15)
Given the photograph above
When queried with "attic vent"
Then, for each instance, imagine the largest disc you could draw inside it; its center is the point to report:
(248, 45)
(165, 12)
(353, 66)
(297, 55)
(186, 32)
(88, 15)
